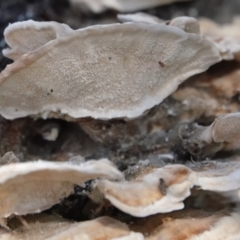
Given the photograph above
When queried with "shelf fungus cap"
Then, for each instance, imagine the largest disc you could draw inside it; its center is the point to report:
(220, 176)
(191, 224)
(226, 226)
(139, 17)
(104, 228)
(51, 227)
(104, 72)
(25, 37)
(187, 24)
(162, 190)
(226, 37)
(98, 6)
(226, 130)
(35, 186)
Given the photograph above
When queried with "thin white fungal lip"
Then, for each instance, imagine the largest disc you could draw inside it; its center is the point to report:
(139, 17)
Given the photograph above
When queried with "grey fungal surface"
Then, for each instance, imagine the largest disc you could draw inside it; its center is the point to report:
(32, 187)
(98, 6)
(25, 37)
(104, 72)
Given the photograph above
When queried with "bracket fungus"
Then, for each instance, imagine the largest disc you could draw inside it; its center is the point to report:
(226, 37)
(162, 190)
(45, 227)
(104, 76)
(35, 186)
(191, 224)
(39, 227)
(222, 134)
(220, 176)
(225, 130)
(118, 72)
(139, 17)
(187, 24)
(98, 6)
(27, 36)
(104, 228)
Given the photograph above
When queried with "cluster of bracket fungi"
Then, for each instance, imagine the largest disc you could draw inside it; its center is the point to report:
(134, 112)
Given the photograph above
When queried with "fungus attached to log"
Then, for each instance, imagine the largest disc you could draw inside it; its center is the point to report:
(104, 228)
(222, 134)
(27, 36)
(110, 71)
(35, 186)
(226, 37)
(220, 176)
(162, 190)
(98, 6)
(47, 227)
(191, 224)
(225, 130)
(139, 17)
(187, 24)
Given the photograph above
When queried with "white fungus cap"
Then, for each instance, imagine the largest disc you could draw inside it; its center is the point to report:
(109, 71)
